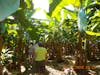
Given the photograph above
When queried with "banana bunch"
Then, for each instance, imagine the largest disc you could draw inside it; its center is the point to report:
(82, 20)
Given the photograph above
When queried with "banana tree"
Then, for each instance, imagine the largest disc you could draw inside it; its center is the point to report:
(7, 9)
(93, 25)
(84, 19)
(66, 18)
(84, 24)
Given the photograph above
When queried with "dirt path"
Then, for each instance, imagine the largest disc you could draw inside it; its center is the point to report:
(53, 71)
(68, 71)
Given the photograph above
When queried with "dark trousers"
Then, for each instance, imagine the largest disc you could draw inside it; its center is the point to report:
(40, 66)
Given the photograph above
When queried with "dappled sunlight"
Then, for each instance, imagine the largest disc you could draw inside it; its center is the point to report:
(23, 69)
(53, 71)
(6, 71)
(52, 68)
(66, 71)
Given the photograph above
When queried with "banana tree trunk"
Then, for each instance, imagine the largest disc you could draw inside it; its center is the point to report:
(1, 46)
(66, 48)
(99, 46)
(92, 53)
(26, 50)
(59, 52)
(81, 58)
(88, 49)
(1, 43)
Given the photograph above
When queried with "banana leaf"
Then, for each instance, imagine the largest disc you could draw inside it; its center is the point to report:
(93, 33)
(7, 7)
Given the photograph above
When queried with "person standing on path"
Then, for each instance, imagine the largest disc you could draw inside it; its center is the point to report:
(40, 58)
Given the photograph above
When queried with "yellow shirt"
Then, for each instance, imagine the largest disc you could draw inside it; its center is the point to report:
(40, 54)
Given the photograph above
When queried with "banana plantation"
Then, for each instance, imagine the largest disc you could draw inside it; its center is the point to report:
(70, 32)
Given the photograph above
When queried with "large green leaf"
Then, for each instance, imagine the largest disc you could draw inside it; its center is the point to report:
(93, 33)
(87, 2)
(53, 5)
(7, 7)
(29, 4)
(57, 5)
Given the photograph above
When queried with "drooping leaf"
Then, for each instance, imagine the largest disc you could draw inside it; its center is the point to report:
(92, 5)
(29, 3)
(71, 14)
(8, 7)
(53, 5)
(56, 6)
(93, 33)
(88, 2)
